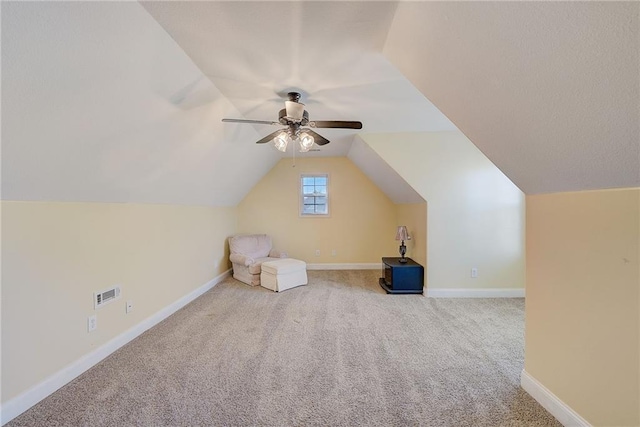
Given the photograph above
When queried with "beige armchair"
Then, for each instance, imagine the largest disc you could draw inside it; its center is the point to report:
(248, 252)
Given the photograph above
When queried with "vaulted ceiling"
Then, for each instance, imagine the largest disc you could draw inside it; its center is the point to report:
(122, 102)
(549, 91)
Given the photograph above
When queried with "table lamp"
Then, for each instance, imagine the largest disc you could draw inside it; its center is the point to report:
(402, 235)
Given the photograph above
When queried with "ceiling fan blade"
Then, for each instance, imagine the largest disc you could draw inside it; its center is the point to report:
(269, 137)
(318, 139)
(335, 124)
(257, 122)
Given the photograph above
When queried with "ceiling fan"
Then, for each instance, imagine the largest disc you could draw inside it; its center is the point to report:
(295, 117)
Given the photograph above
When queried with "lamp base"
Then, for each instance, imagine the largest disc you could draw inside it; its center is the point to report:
(403, 250)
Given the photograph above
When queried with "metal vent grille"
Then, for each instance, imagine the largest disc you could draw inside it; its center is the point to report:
(106, 296)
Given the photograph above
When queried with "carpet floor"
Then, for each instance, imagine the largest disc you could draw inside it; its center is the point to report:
(338, 352)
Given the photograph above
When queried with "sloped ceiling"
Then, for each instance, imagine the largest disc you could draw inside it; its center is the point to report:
(90, 112)
(549, 91)
(255, 52)
(122, 102)
(116, 102)
(383, 176)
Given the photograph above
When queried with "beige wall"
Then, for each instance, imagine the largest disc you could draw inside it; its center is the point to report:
(362, 223)
(414, 216)
(582, 308)
(475, 213)
(55, 255)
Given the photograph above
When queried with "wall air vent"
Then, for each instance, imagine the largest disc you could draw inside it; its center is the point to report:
(106, 296)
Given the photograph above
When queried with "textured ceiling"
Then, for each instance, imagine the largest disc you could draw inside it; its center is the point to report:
(255, 52)
(383, 176)
(122, 101)
(549, 91)
(89, 112)
(116, 102)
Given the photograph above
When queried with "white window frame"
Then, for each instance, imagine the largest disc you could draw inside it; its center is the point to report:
(302, 195)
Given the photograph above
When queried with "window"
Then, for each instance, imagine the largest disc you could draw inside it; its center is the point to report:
(314, 197)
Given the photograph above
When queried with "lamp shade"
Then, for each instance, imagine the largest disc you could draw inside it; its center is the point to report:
(401, 233)
(306, 142)
(281, 141)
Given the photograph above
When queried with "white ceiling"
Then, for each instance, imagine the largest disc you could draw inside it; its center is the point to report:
(113, 102)
(383, 176)
(255, 52)
(122, 102)
(89, 112)
(549, 91)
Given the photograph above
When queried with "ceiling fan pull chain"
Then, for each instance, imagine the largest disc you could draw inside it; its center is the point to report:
(293, 148)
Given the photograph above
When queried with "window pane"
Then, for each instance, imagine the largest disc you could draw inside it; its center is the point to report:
(314, 199)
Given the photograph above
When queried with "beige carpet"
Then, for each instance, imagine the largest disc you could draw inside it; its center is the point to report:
(336, 352)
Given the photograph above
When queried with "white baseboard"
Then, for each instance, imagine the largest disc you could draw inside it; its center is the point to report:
(26, 400)
(345, 266)
(549, 401)
(475, 293)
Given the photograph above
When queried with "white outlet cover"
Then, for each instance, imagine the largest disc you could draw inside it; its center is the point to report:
(92, 323)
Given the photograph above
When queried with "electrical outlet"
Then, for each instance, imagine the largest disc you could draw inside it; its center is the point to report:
(92, 323)
(317, 252)
(474, 273)
(334, 253)
(129, 306)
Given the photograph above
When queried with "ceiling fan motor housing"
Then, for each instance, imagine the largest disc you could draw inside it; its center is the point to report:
(287, 121)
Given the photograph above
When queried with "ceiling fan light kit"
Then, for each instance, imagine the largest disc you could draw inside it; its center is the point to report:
(294, 117)
(283, 138)
(306, 142)
(281, 141)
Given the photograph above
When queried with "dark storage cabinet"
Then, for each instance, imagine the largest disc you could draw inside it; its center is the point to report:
(402, 278)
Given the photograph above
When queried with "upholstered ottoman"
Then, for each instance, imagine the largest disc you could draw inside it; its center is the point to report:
(283, 274)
